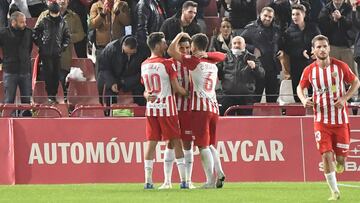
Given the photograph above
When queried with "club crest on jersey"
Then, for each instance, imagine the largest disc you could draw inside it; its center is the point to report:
(334, 74)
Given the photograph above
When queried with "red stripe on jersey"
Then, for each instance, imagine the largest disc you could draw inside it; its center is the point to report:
(201, 104)
(195, 101)
(170, 106)
(326, 94)
(342, 88)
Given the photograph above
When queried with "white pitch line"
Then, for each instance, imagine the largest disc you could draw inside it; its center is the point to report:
(348, 185)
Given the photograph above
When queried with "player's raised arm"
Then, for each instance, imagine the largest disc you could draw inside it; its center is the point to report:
(173, 50)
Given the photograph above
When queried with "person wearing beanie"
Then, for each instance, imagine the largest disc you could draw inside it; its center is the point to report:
(76, 32)
(52, 36)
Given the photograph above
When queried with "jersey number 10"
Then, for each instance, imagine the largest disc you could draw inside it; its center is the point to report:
(153, 83)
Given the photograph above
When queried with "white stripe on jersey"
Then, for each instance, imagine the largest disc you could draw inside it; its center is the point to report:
(331, 96)
(323, 95)
(316, 90)
(338, 87)
(182, 103)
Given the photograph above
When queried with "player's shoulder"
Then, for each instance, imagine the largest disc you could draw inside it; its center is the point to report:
(339, 63)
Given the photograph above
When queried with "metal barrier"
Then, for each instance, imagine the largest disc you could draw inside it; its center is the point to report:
(34, 107)
(138, 110)
(290, 109)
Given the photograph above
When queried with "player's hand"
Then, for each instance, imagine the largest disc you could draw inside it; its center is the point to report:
(0, 66)
(201, 54)
(114, 88)
(306, 55)
(251, 64)
(150, 97)
(307, 103)
(340, 103)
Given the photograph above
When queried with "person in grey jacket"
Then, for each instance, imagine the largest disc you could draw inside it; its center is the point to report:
(239, 73)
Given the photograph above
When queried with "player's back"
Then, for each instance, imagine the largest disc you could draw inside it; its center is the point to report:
(204, 78)
(156, 75)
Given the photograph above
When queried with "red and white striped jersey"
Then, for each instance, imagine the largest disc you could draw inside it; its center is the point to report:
(203, 74)
(328, 85)
(182, 103)
(156, 74)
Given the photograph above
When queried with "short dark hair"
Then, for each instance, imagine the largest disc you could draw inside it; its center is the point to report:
(200, 40)
(299, 7)
(130, 42)
(154, 38)
(185, 39)
(268, 9)
(188, 4)
(319, 38)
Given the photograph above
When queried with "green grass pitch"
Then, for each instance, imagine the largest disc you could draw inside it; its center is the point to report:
(232, 192)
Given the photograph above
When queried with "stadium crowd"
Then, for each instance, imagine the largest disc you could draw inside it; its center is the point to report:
(265, 41)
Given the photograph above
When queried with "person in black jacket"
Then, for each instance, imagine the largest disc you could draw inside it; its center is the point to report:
(183, 21)
(4, 9)
(264, 38)
(150, 16)
(222, 41)
(16, 42)
(297, 44)
(241, 13)
(282, 10)
(119, 68)
(52, 36)
(335, 23)
(239, 73)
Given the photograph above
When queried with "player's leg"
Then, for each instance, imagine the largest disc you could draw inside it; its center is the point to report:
(171, 131)
(153, 135)
(330, 175)
(189, 162)
(342, 142)
(148, 163)
(180, 162)
(187, 141)
(325, 147)
(217, 163)
(202, 140)
(169, 157)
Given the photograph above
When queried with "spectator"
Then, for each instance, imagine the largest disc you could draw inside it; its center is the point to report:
(263, 38)
(16, 42)
(150, 16)
(335, 23)
(316, 7)
(297, 44)
(36, 7)
(108, 18)
(282, 10)
(201, 5)
(119, 69)
(22, 6)
(81, 7)
(239, 74)
(52, 36)
(76, 35)
(4, 9)
(183, 21)
(222, 42)
(241, 13)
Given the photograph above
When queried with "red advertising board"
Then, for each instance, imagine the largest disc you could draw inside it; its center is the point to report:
(7, 170)
(313, 162)
(111, 150)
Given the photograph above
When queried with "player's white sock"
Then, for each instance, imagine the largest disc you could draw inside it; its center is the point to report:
(208, 164)
(189, 162)
(168, 164)
(217, 163)
(181, 167)
(331, 180)
(148, 166)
